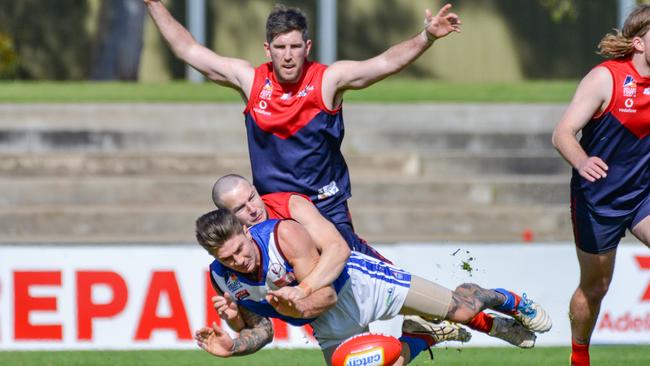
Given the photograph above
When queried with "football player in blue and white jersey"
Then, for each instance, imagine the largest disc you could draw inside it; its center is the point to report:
(252, 265)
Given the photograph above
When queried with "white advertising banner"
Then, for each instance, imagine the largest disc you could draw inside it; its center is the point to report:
(152, 297)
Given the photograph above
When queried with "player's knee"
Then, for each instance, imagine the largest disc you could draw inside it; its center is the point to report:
(467, 289)
(596, 291)
(464, 305)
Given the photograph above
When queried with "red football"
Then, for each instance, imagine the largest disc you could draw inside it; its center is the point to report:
(367, 349)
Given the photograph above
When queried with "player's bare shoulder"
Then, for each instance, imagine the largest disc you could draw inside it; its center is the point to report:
(298, 204)
(598, 83)
(294, 240)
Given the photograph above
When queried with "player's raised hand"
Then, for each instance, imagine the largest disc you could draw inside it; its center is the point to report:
(593, 168)
(283, 305)
(442, 23)
(225, 307)
(214, 340)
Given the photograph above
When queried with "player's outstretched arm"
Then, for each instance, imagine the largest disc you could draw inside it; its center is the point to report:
(225, 71)
(334, 251)
(257, 334)
(591, 97)
(344, 75)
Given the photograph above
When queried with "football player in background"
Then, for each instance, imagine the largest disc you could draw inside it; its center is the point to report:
(610, 187)
(293, 115)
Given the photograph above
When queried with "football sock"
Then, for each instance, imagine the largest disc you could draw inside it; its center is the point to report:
(416, 344)
(579, 354)
(481, 322)
(511, 303)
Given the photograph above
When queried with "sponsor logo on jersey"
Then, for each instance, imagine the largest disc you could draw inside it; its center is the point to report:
(286, 96)
(285, 280)
(629, 87)
(629, 103)
(646, 91)
(305, 91)
(328, 190)
(371, 357)
(261, 108)
(242, 294)
(232, 283)
(267, 90)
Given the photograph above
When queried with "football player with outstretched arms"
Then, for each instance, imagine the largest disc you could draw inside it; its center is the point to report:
(610, 186)
(293, 114)
(252, 264)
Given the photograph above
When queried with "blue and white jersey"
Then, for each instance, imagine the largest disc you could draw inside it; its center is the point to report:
(367, 289)
(275, 272)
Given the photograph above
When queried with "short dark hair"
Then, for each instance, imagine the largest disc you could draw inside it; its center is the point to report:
(215, 228)
(283, 20)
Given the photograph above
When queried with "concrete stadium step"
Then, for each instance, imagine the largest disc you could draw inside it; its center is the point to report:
(478, 118)
(218, 128)
(181, 190)
(235, 142)
(377, 224)
(504, 223)
(396, 164)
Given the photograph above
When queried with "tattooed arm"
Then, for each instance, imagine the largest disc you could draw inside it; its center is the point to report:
(257, 333)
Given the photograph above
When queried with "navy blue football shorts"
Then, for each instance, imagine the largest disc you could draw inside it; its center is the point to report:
(597, 234)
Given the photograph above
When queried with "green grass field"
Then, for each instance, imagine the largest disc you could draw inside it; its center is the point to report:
(601, 355)
(392, 90)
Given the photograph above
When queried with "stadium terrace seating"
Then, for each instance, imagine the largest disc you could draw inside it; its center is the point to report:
(143, 172)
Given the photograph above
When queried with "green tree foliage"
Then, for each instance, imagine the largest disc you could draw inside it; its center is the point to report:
(8, 57)
(50, 37)
(561, 9)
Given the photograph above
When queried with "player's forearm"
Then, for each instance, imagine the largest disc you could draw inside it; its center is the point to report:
(569, 148)
(250, 341)
(256, 335)
(317, 303)
(180, 40)
(330, 265)
(405, 53)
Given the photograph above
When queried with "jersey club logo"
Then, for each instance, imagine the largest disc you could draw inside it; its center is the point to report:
(629, 87)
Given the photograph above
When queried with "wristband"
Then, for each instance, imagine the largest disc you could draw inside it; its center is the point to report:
(428, 36)
(305, 288)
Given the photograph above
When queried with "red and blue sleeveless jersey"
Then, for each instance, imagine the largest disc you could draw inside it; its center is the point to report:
(619, 136)
(277, 204)
(294, 141)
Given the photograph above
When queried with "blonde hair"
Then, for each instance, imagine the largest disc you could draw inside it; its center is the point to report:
(619, 43)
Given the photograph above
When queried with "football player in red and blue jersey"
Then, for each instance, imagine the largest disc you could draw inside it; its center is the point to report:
(611, 166)
(293, 112)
